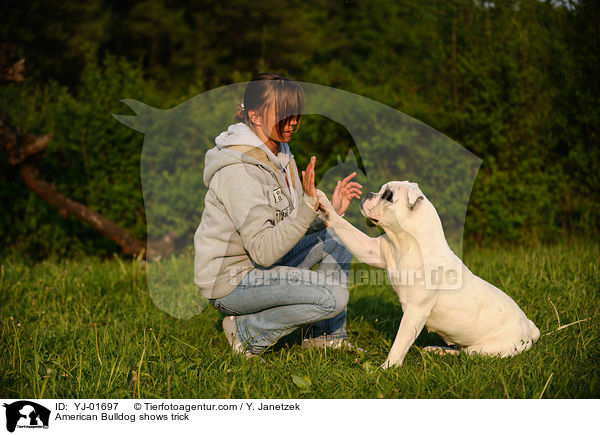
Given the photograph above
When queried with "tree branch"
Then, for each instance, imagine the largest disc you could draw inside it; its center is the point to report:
(31, 145)
(19, 148)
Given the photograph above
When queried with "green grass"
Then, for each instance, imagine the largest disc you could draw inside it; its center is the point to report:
(89, 329)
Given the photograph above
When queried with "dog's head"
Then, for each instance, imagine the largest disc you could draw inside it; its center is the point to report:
(400, 208)
(394, 205)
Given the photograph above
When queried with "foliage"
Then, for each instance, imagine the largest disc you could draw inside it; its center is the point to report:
(516, 82)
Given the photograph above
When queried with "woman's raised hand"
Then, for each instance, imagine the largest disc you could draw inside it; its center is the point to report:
(308, 180)
(344, 192)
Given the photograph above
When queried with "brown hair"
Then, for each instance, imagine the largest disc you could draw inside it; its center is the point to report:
(266, 89)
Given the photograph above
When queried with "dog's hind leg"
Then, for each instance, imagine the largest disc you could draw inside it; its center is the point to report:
(442, 350)
(535, 332)
(500, 348)
(517, 337)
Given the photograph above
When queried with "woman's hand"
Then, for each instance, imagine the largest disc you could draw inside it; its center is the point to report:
(344, 192)
(308, 181)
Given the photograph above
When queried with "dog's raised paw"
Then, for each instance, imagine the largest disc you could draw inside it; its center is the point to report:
(322, 197)
(324, 205)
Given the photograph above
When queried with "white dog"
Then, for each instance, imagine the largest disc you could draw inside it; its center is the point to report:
(435, 288)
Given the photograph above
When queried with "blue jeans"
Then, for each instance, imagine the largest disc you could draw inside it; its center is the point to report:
(271, 302)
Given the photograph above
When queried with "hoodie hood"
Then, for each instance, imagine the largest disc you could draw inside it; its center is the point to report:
(240, 134)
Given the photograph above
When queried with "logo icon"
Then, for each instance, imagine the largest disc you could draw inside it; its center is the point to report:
(277, 195)
(26, 414)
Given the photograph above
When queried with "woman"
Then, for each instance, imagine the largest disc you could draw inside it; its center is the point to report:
(259, 235)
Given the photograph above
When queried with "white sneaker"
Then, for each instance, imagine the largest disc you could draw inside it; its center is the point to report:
(236, 345)
(323, 342)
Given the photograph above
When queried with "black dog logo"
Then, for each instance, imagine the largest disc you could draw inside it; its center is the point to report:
(27, 414)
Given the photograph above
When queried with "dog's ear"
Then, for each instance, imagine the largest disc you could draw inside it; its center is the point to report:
(414, 195)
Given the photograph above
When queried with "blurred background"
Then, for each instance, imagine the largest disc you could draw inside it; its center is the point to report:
(517, 83)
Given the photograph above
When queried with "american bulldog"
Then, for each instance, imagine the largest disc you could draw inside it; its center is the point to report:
(435, 288)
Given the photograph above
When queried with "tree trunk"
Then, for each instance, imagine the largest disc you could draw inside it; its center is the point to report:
(49, 193)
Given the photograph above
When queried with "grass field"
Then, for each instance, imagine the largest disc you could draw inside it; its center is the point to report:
(89, 329)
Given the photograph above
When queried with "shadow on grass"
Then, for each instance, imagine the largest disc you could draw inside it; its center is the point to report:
(385, 316)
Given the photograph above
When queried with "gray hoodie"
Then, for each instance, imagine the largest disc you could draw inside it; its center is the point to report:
(251, 218)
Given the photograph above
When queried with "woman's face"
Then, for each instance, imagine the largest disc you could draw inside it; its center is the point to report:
(268, 127)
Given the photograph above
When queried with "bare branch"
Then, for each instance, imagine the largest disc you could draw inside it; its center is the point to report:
(31, 145)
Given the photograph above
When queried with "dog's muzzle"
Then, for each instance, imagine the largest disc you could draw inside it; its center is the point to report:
(368, 197)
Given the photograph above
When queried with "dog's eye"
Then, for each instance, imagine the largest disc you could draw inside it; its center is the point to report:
(387, 195)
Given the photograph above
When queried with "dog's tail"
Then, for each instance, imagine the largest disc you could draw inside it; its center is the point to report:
(535, 332)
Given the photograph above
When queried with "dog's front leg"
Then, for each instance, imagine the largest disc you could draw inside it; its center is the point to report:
(366, 249)
(411, 325)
